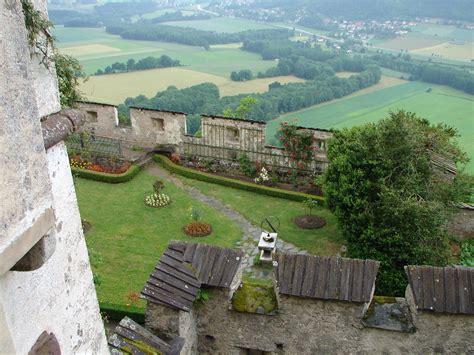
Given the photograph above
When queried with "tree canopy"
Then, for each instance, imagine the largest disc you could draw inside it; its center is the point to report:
(391, 201)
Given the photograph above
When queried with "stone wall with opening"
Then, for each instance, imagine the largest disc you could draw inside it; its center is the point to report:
(308, 326)
(221, 137)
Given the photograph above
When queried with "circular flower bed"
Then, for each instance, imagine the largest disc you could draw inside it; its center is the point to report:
(310, 222)
(157, 200)
(197, 229)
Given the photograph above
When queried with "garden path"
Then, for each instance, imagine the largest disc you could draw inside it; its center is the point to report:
(250, 233)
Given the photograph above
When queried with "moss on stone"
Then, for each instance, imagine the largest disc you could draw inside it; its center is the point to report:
(147, 349)
(384, 299)
(255, 293)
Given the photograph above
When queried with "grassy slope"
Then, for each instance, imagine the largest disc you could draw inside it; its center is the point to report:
(131, 236)
(324, 241)
(441, 105)
(224, 60)
(115, 88)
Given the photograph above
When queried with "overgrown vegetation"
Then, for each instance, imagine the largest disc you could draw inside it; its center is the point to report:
(254, 296)
(42, 44)
(467, 253)
(392, 203)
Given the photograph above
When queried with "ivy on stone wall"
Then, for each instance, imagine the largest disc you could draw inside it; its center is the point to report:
(42, 43)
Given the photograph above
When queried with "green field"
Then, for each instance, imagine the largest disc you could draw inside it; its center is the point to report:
(221, 24)
(130, 237)
(441, 105)
(95, 49)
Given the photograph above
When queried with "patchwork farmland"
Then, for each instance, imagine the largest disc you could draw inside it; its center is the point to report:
(95, 49)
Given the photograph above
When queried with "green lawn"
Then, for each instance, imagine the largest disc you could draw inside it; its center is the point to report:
(130, 237)
(255, 207)
(95, 49)
(441, 105)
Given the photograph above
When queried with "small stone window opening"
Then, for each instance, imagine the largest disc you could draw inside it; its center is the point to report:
(92, 116)
(159, 124)
(232, 134)
(37, 255)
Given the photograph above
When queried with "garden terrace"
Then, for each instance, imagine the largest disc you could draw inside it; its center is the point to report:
(127, 237)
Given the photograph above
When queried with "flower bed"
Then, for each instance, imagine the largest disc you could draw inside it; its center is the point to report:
(310, 222)
(100, 164)
(197, 229)
(157, 200)
(245, 170)
(234, 183)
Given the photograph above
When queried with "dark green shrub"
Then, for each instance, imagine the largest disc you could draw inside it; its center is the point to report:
(108, 178)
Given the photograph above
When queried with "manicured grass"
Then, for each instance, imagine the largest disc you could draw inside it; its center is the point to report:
(95, 49)
(323, 241)
(221, 24)
(441, 105)
(130, 237)
(115, 88)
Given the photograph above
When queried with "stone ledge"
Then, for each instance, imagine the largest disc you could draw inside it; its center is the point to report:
(58, 126)
(18, 247)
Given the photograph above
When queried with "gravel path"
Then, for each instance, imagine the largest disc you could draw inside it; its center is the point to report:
(250, 233)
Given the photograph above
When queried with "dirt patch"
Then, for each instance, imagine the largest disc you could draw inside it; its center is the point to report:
(310, 222)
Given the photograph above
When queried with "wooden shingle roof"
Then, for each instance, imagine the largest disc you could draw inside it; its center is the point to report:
(130, 337)
(184, 267)
(323, 277)
(442, 289)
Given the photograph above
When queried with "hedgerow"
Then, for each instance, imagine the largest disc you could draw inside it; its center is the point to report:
(109, 178)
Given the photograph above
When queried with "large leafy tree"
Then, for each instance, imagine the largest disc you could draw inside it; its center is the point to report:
(392, 196)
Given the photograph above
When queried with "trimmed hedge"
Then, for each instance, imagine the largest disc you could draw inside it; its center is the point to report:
(236, 184)
(117, 312)
(109, 178)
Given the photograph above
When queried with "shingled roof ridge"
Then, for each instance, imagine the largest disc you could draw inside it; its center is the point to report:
(184, 268)
(325, 277)
(448, 289)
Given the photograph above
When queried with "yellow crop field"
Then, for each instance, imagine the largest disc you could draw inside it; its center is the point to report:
(90, 49)
(115, 88)
(463, 52)
(227, 46)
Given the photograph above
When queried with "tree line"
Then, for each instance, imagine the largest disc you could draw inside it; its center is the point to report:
(373, 9)
(146, 31)
(428, 72)
(178, 16)
(108, 13)
(143, 64)
(280, 99)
